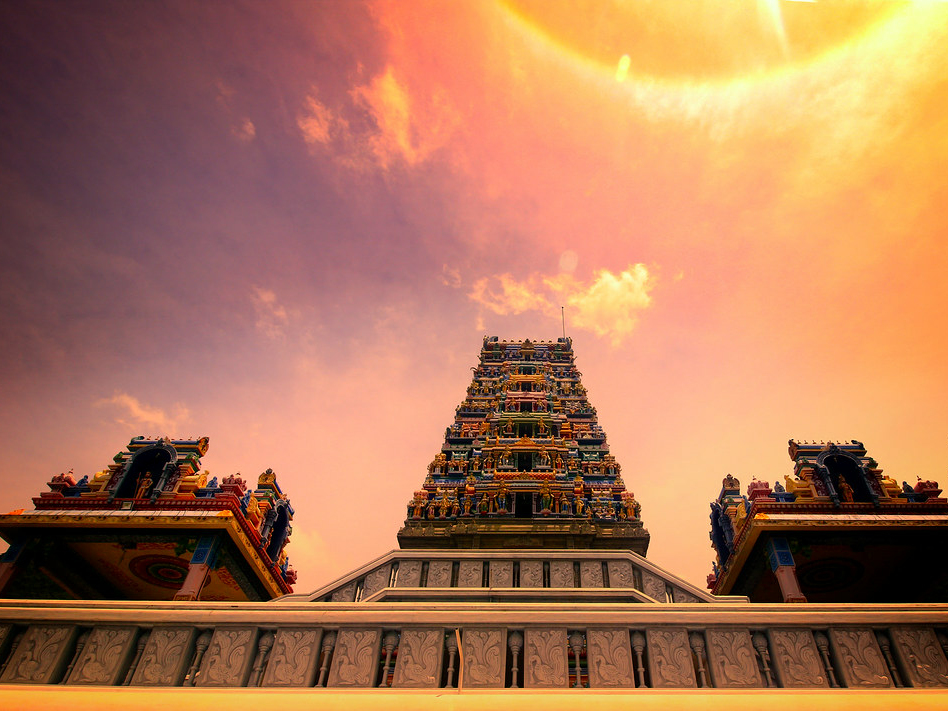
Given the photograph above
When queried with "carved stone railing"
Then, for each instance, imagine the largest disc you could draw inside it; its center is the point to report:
(474, 646)
(514, 575)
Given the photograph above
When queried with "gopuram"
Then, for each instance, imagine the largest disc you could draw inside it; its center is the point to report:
(521, 580)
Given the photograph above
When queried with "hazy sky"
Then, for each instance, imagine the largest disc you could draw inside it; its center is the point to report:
(288, 226)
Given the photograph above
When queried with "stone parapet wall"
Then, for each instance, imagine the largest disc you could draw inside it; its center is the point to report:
(452, 645)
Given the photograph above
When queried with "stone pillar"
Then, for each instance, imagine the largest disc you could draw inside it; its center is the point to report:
(203, 558)
(781, 563)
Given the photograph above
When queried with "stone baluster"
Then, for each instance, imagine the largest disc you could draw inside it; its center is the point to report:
(515, 642)
(80, 643)
(139, 648)
(451, 643)
(576, 641)
(263, 651)
(329, 641)
(12, 652)
(200, 648)
(389, 642)
(822, 644)
(638, 646)
(697, 646)
(886, 647)
(760, 644)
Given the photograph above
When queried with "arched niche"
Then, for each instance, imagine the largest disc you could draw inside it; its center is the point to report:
(838, 467)
(148, 463)
(279, 531)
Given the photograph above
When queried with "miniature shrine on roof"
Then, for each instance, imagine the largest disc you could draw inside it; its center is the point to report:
(837, 530)
(151, 526)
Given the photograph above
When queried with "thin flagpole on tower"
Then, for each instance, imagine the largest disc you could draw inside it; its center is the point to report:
(563, 314)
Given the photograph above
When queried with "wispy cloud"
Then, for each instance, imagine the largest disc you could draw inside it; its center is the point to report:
(272, 317)
(131, 412)
(399, 128)
(609, 305)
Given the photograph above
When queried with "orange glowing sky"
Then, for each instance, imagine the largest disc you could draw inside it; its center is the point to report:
(288, 226)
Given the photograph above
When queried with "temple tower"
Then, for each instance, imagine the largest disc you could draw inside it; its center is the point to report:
(525, 463)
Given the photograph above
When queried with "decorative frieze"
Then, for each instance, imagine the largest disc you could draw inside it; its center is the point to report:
(860, 663)
(294, 658)
(561, 574)
(409, 574)
(346, 593)
(921, 656)
(590, 574)
(669, 659)
(376, 580)
(609, 658)
(732, 659)
(531, 574)
(544, 659)
(654, 586)
(470, 574)
(166, 657)
(484, 658)
(105, 656)
(229, 657)
(796, 659)
(501, 573)
(418, 665)
(41, 656)
(620, 574)
(356, 658)
(439, 574)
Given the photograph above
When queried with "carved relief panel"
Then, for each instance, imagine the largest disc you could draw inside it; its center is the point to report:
(669, 659)
(294, 658)
(229, 657)
(166, 657)
(921, 655)
(346, 593)
(376, 580)
(439, 574)
(418, 665)
(41, 656)
(105, 656)
(409, 574)
(609, 658)
(732, 659)
(561, 574)
(620, 574)
(355, 661)
(654, 586)
(796, 659)
(485, 655)
(501, 573)
(590, 574)
(679, 595)
(544, 659)
(859, 661)
(531, 574)
(470, 574)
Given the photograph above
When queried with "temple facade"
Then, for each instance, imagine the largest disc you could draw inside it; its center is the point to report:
(521, 578)
(151, 526)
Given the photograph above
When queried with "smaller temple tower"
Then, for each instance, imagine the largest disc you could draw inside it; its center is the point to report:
(837, 530)
(151, 526)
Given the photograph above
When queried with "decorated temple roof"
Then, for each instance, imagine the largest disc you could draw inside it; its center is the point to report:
(525, 447)
(146, 512)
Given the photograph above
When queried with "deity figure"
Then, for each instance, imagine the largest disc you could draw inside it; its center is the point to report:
(891, 487)
(144, 485)
(506, 457)
(443, 507)
(468, 500)
(565, 507)
(541, 428)
(508, 428)
(502, 499)
(455, 508)
(544, 459)
(845, 491)
(580, 506)
(432, 509)
(558, 466)
(546, 500)
(483, 505)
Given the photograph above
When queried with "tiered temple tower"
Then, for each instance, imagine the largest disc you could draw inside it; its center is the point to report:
(151, 526)
(525, 463)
